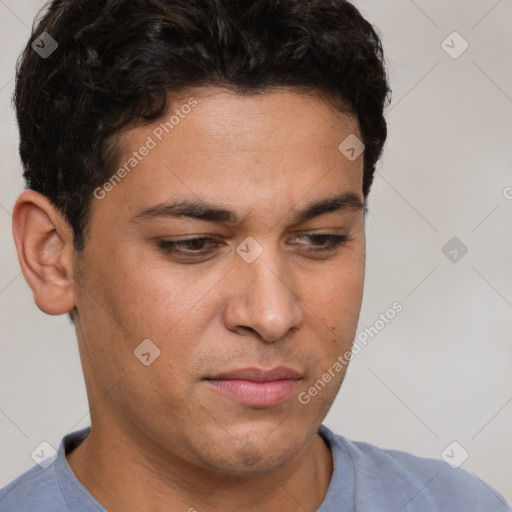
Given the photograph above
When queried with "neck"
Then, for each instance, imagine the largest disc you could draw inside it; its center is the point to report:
(124, 476)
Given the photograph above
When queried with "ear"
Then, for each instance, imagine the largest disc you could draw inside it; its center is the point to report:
(44, 242)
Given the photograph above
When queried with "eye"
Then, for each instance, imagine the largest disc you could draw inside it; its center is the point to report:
(204, 246)
(196, 246)
(330, 241)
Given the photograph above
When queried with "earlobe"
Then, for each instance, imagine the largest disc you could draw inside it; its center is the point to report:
(44, 243)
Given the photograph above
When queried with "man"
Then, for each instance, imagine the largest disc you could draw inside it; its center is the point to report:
(197, 178)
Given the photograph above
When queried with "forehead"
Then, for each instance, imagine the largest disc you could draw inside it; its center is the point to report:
(215, 144)
(232, 122)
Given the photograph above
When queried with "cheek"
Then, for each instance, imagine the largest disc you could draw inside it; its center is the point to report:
(143, 296)
(336, 294)
(124, 306)
(171, 307)
(333, 310)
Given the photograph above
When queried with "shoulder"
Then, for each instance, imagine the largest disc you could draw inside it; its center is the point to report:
(35, 490)
(416, 483)
(49, 486)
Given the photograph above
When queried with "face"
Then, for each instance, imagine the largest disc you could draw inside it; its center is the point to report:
(167, 302)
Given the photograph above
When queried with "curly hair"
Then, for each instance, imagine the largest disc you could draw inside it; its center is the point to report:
(118, 63)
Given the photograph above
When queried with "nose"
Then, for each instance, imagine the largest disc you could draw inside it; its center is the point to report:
(262, 299)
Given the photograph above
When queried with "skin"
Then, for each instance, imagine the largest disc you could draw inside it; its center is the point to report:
(160, 438)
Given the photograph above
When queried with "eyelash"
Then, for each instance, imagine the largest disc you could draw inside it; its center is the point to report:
(170, 246)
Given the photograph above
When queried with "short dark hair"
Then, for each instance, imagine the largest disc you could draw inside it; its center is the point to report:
(119, 61)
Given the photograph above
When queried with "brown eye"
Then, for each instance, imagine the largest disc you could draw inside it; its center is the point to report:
(327, 241)
(189, 246)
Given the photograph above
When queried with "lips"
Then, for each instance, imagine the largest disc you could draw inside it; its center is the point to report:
(256, 387)
(258, 375)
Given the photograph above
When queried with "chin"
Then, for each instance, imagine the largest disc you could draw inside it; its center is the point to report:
(243, 452)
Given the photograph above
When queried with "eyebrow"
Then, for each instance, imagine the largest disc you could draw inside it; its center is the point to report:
(206, 211)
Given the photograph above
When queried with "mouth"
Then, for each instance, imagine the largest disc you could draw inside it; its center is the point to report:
(255, 387)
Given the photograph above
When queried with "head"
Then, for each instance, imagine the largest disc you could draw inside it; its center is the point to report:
(239, 125)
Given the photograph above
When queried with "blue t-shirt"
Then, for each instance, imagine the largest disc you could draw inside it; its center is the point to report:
(365, 479)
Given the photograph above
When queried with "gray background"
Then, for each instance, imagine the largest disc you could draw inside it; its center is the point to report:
(440, 371)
